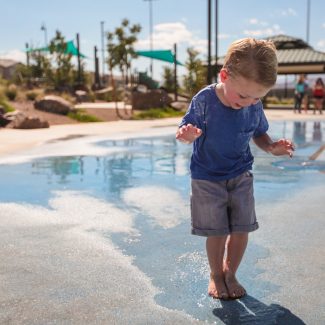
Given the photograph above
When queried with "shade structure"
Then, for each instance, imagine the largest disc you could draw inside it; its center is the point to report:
(295, 56)
(68, 49)
(162, 55)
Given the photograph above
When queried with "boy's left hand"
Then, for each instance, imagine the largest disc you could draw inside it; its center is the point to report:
(282, 147)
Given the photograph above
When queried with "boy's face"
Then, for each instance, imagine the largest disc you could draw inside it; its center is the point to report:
(240, 92)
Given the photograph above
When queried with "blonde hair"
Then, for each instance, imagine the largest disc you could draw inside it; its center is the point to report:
(252, 59)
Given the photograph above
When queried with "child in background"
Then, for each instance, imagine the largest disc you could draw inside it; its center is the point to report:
(318, 94)
(300, 91)
(220, 121)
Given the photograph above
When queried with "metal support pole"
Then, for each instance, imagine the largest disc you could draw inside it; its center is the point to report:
(175, 71)
(209, 75)
(151, 34)
(216, 40)
(97, 80)
(43, 28)
(308, 21)
(103, 48)
(79, 61)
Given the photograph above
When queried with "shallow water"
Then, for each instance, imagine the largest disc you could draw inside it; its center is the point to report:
(148, 179)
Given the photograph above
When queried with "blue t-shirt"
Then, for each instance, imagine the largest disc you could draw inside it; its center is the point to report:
(222, 151)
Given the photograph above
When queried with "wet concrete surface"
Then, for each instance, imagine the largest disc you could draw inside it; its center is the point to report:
(105, 240)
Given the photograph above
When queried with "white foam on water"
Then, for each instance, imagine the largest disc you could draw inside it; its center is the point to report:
(74, 209)
(66, 268)
(164, 206)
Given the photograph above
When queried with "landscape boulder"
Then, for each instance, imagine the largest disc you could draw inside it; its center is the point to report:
(53, 104)
(81, 96)
(179, 105)
(156, 98)
(19, 120)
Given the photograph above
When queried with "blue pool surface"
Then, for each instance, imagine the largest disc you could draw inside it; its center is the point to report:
(164, 250)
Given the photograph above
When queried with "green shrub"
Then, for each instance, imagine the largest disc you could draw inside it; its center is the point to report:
(6, 105)
(31, 95)
(156, 113)
(81, 116)
(11, 92)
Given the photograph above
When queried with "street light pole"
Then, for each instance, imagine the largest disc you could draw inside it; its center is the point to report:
(209, 74)
(151, 33)
(216, 40)
(308, 21)
(43, 28)
(103, 48)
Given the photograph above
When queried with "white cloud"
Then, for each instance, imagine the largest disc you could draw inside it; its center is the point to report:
(273, 30)
(167, 34)
(288, 12)
(255, 21)
(321, 45)
(16, 55)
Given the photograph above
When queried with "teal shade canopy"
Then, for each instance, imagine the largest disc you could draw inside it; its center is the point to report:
(69, 49)
(162, 55)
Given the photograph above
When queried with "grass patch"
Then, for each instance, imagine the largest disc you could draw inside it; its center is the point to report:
(81, 116)
(156, 113)
(6, 105)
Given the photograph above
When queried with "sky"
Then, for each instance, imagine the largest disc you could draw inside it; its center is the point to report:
(183, 22)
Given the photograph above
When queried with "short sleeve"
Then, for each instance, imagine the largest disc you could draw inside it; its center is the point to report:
(263, 124)
(195, 113)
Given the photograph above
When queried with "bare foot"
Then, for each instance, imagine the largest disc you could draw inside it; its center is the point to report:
(217, 288)
(235, 289)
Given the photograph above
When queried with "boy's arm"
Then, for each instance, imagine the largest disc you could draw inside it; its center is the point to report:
(276, 148)
(188, 133)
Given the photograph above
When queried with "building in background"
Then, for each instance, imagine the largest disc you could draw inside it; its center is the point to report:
(8, 68)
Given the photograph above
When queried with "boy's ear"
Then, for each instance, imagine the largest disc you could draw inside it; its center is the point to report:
(223, 75)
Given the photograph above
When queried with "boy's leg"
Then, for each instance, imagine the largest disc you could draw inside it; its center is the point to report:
(215, 247)
(235, 247)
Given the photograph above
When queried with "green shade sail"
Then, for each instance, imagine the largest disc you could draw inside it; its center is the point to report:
(69, 49)
(162, 55)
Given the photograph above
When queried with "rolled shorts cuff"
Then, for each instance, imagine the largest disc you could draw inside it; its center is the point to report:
(210, 232)
(225, 231)
(248, 228)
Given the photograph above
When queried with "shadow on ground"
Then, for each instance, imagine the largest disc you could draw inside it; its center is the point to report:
(249, 310)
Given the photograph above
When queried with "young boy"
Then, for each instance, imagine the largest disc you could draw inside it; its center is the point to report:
(220, 121)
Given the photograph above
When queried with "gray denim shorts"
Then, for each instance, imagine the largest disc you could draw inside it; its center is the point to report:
(222, 207)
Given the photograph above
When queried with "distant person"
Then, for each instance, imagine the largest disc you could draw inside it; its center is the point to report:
(300, 90)
(306, 98)
(318, 94)
(221, 120)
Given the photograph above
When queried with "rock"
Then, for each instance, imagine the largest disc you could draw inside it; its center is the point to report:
(19, 120)
(151, 99)
(81, 96)
(3, 121)
(53, 104)
(104, 94)
(179, 106)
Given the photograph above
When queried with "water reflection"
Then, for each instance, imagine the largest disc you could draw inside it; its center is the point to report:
(299, 133)
(317, 132)
(157, 160)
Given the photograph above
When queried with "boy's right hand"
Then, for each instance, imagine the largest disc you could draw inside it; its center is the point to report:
(188, 133)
